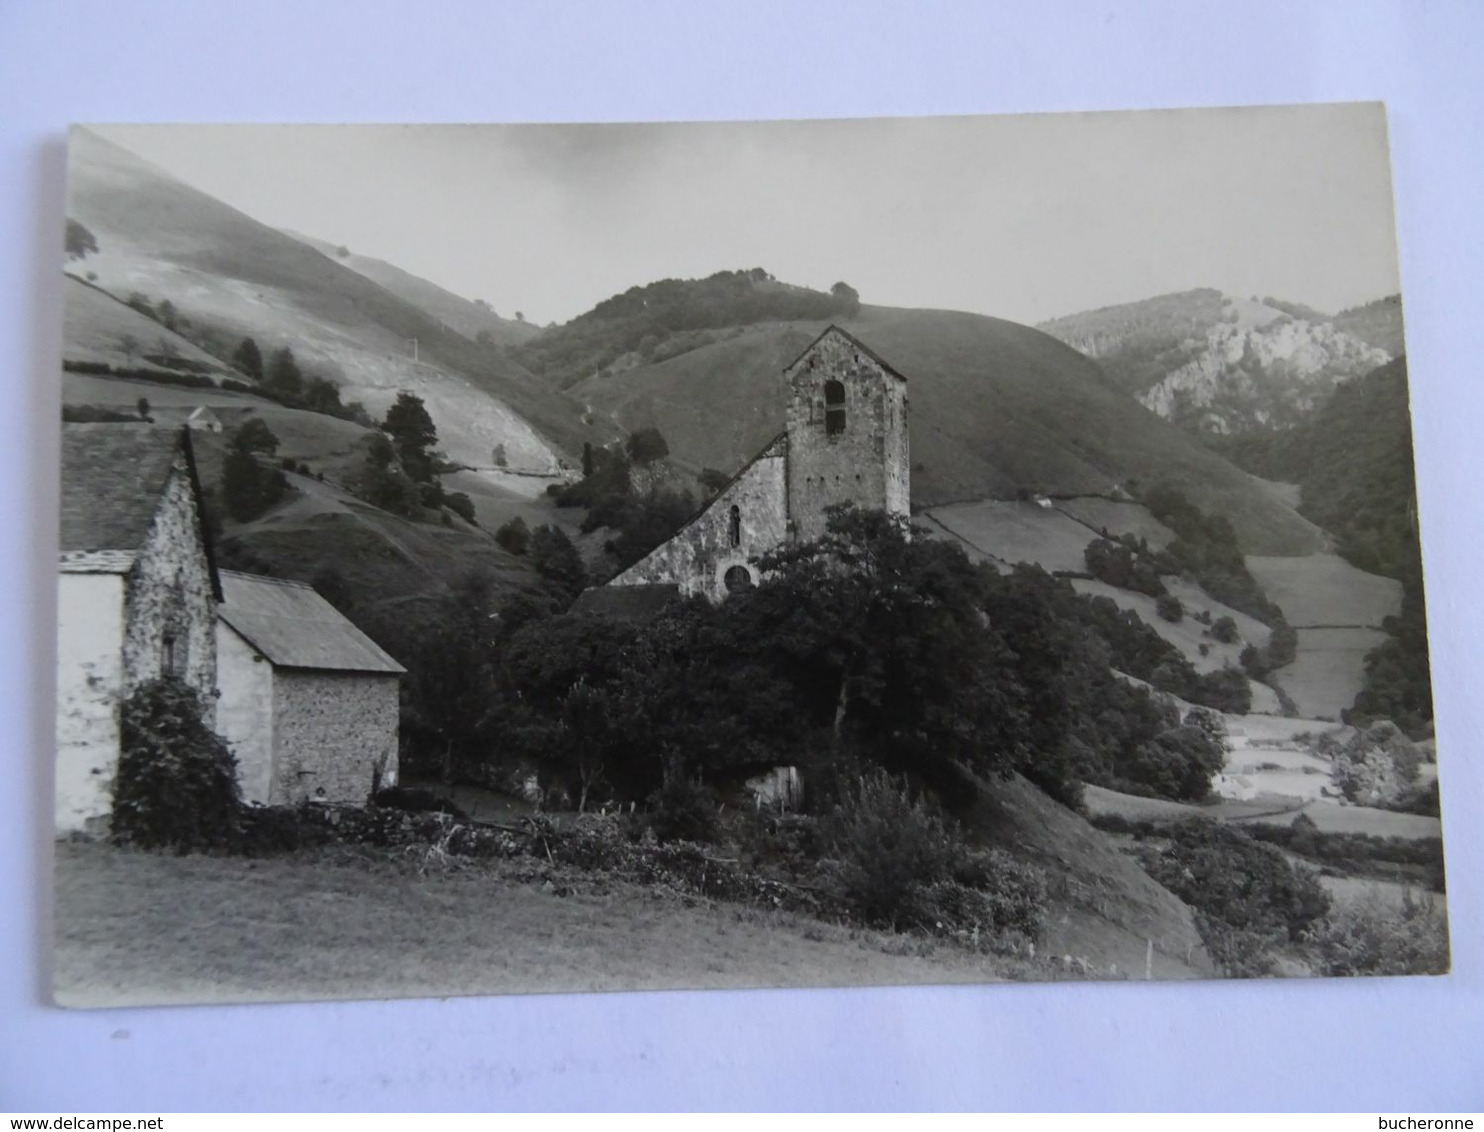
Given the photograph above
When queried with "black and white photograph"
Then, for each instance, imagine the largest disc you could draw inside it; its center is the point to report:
(500, 559)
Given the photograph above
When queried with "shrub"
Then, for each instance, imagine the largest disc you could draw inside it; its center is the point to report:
(461, 505)
(1225, 690)
(1249, 900)
(1378, 766)
(1015, 891)
(90, 413)
(1169, 608)
(1370, 938)
(514, 536)
(1178, 763)
(888, 843)
(1224, 629)
(595, 841)
(1010, 911)
(682, 810)
(1120, 565)
(263, 831)
(176, 786)
(415, 800)
(646, 445)
(786, 843)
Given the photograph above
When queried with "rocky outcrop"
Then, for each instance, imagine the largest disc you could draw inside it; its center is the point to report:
(1211, 362)
(1267, 375)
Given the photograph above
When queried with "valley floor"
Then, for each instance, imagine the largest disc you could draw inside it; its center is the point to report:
(137, 928)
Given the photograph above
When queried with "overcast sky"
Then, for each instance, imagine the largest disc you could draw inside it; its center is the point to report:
(1024, 217)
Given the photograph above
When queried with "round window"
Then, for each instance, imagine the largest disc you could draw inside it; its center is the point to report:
(737, 579)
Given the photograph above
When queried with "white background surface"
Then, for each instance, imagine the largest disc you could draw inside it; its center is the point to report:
(1395, 1045)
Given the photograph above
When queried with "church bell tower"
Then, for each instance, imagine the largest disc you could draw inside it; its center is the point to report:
(847, 433)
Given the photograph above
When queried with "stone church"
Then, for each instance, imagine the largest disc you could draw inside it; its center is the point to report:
(846, 442)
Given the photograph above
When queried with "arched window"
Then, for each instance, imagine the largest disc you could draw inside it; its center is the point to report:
(737, 579)
(734, 526)
(834, 408)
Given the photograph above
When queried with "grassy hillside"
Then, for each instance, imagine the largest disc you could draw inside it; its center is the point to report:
(475, 321)
(997, 409)
(389, 563)
(1102, 905)
(233, 277)
(98, 327)
(386, 561)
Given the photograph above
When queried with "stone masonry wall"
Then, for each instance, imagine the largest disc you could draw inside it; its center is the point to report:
(90, 671)
(867, 463)
(169, 594)
(698, 557)
(334, 735)
(244, 711)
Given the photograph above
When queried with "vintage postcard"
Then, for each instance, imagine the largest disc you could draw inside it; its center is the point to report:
(605, 557)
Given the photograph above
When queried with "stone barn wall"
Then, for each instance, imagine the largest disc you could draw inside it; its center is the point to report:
(334, 735)
(169, 596)
(699, 555)
(865, 462)
(244, 711)
(90, 672)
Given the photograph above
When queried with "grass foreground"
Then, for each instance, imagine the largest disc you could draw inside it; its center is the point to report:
(138, 928)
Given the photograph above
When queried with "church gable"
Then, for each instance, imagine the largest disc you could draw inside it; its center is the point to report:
(710, 554)
(846, 443)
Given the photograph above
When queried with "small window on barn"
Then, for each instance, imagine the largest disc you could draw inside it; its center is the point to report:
(737, 579)
(734, 526)
(834, 408)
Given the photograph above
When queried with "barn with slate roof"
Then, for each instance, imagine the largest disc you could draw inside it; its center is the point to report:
(308, 702)
(137, 593)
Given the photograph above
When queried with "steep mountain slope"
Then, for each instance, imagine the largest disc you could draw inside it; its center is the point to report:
(1352, 462)
(462, 316)
(1377, 324)
(233, 276)
(99, 328)
(997, 409)
(1218, 364)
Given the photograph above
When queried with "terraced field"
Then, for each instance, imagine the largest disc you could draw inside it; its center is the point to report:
(1337, 610)
(1011, 532)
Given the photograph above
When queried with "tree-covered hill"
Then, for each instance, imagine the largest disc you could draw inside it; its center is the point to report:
(658, 320)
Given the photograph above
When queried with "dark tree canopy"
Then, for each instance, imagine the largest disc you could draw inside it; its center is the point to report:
(249, 359)
(558, 563)
(254, 435)
(248, 487)
(284, 375)
(848, 298)
(413, 436)
(646, 445)
(80, 242)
